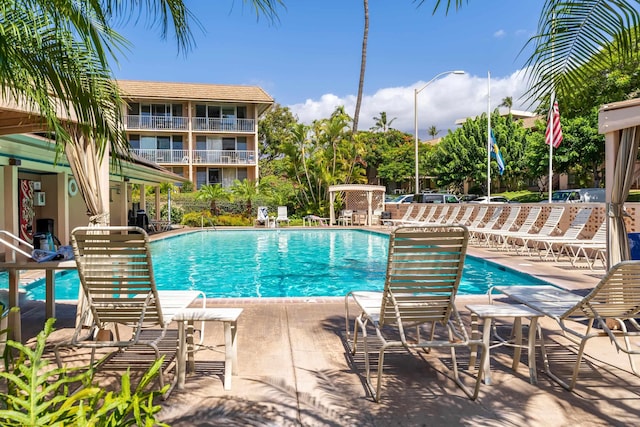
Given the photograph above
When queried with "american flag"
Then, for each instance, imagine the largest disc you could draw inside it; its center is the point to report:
(554, 131)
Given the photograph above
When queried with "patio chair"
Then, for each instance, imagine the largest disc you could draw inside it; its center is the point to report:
(616, 297)
(424, 268)
(262, 218)
(282, 215)
(474, 232)
(116, 275)
(484, 236)
(521, 240)
(548, 244)
(346, 217)
(501, 237)
(590, 249)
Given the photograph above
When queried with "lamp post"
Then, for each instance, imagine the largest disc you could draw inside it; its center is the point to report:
(415, 118)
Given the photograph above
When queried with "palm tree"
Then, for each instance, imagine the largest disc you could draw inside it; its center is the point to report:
(363, 66)
(570, 35)
(507, 102)
(56, 56)
(213, 194)
(382, 123)
(246, 190)
(433, 131)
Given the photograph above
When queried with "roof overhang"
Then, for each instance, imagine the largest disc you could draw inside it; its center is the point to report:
(38, 155)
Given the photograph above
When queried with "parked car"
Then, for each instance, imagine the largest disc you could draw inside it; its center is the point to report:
(403, 198)
(494, 199)
(435, 198)
(468, 197)
(580, 195)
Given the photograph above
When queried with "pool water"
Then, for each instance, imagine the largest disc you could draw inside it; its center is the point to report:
(280, 263)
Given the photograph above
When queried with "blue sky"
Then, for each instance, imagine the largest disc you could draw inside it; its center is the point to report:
(310, 59)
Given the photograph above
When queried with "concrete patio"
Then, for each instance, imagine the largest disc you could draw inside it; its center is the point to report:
(294, 369)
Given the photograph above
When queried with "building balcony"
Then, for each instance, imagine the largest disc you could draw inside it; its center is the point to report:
(203, 124)
(199, 157)
(157, 123)
(199, 124)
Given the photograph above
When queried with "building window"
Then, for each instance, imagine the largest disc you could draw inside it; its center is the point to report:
(134, 141)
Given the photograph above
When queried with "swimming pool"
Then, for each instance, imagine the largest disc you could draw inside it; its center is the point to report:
(281, 263)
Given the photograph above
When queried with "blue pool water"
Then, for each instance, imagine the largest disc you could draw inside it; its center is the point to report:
(280, 263)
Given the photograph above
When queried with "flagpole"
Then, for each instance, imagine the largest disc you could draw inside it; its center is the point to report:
(489, 136)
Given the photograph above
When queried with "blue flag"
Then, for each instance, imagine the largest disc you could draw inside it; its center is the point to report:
(495, 153)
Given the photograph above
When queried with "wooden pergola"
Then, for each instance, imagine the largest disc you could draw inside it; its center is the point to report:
(357, 197)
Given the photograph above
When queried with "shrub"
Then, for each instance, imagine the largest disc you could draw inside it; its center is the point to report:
(176, 213)
(195, 219)
(39, 396)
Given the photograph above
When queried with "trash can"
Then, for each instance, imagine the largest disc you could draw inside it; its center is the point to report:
(142, 220)
(634, 245)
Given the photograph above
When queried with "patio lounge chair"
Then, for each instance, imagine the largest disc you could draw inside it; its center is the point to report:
(262, 217)
(549, 244)
(346, 217)
(282, 215)
(423, 274)
(501, 237)
(615, 297)
(484, 236)
(521, 240)
(116, 275)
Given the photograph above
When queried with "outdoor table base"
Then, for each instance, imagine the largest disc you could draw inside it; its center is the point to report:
(488, 312)
(186, 346)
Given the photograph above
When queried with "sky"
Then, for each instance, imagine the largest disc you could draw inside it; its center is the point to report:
(309, 60)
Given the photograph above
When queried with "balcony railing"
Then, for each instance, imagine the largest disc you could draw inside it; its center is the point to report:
(224, 157)
(157, 122)
(223, 125)
(200, 124)
(201, 157)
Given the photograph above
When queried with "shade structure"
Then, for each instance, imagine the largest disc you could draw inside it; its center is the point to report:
(620, 123)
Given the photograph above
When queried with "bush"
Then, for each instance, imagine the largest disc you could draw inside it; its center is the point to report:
(39, 396)
(195, 219)
(233, 221)
(176, 213)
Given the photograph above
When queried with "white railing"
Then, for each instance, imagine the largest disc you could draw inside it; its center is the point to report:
(224, 157)
(220, 157)
(223, 125)
(156, 122)
(13, 242)
(162, 156)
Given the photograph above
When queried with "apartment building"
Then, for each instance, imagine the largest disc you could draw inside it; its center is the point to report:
(204, 132)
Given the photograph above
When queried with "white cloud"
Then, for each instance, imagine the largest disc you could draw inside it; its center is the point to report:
(440, 104)
(500, 33)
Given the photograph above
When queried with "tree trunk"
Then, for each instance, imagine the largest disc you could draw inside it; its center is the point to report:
(363, 65)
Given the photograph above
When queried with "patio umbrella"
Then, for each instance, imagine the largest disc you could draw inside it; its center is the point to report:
(91, 172)
(622, 179)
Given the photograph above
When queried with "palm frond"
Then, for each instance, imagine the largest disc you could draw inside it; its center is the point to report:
(572, 41)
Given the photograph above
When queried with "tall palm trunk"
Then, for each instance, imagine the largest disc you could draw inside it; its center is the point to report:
(363, 66)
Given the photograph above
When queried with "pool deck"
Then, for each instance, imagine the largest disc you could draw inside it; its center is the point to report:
(294, 369)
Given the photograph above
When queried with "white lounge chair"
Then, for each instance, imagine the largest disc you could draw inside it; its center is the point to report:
(501, 237)
(282, 215)
(474, 232)
(520, 241)
(423, 274)
(262, 217)
(547, 245)
(116, 275)
(484, 236)
(616, 297)
(346, 217)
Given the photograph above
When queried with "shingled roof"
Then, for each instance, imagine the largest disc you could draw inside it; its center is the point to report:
(194, 91)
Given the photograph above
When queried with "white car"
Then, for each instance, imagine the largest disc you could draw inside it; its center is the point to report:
(403, 198)
(494, 199)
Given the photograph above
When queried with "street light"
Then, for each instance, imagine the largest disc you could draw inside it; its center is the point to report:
(415, 118)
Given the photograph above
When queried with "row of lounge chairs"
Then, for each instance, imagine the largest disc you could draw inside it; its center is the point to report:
(531, 231)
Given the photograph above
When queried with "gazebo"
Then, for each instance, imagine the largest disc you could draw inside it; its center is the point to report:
(357, 197)
(620, 124)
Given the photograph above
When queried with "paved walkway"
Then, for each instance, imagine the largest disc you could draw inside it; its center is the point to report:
(294, 369)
